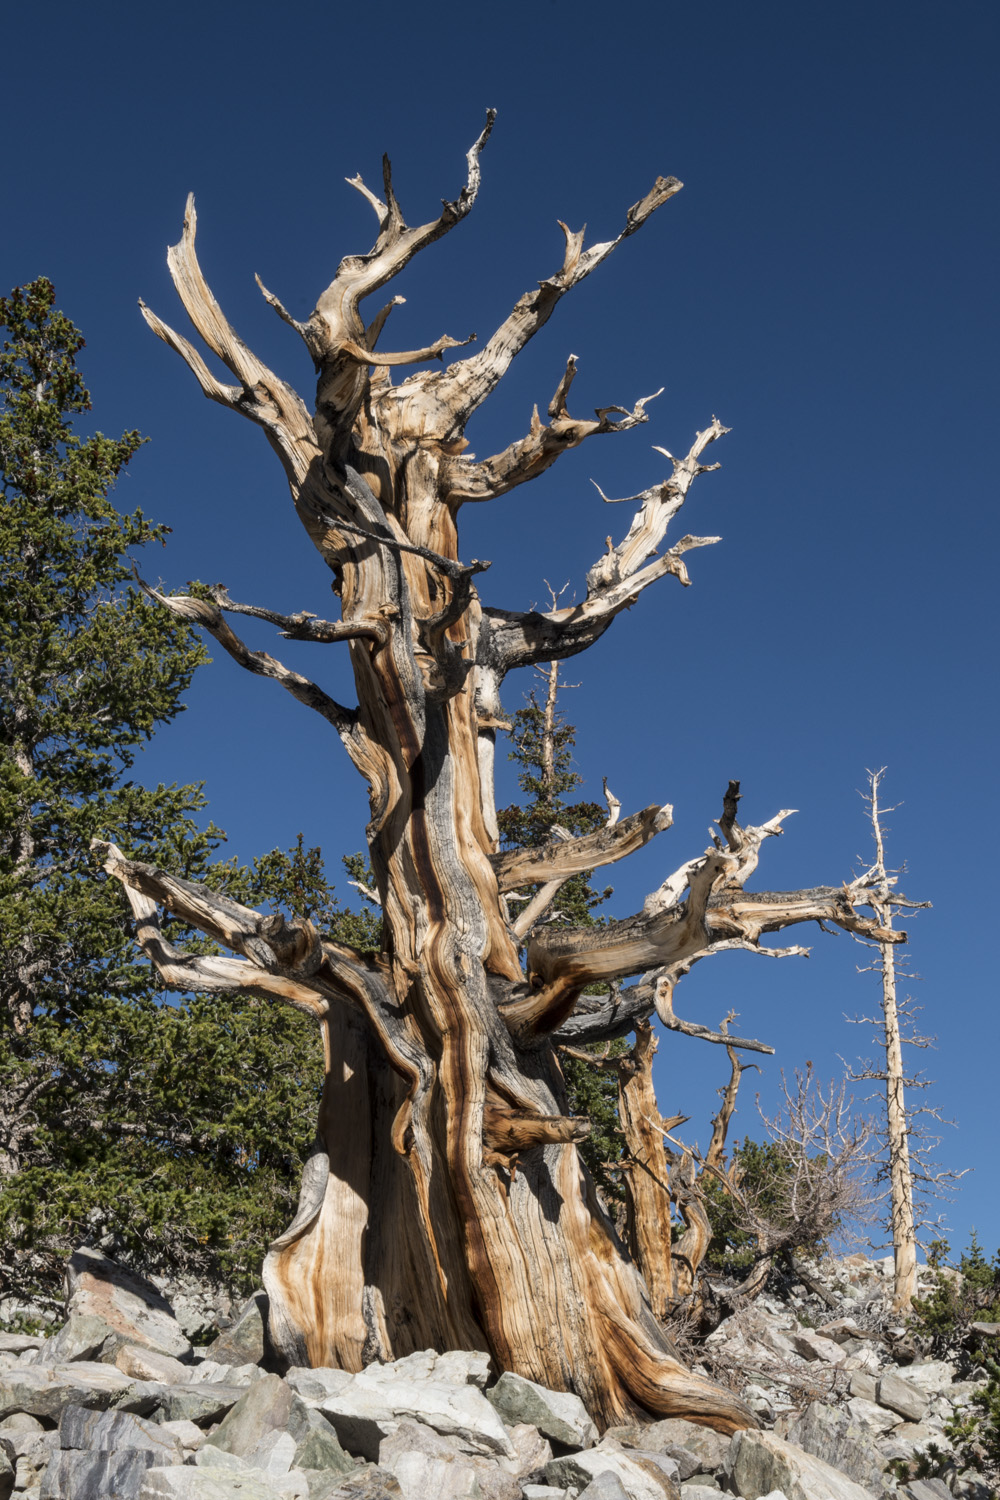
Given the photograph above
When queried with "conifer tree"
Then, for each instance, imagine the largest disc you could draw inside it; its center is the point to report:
(157, 1129)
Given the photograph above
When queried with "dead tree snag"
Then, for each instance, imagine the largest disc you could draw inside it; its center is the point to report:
(416, 1227)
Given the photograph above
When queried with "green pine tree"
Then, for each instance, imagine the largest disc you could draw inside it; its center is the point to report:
(171, 1133)
(542, 746)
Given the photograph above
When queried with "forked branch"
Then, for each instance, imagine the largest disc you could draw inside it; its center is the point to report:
(561, 858)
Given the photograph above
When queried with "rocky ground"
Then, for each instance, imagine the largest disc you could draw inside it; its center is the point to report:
(118, 1405)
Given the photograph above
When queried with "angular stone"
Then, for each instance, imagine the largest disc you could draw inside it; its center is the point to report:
(20, 1343)
(210, 1370)
(150, 1364)
(369, 1408)
(425, 1463)
(463, 1367)
(274, 1429)
(842, 1443)
(759, 1462)
(243, 1343)
(20, 1421)
(288, 1482)
(316, 1385)
(127, 1302)
(814, 1346)
(606, 1486)
(911, 1438)
(899, 1395)
(366, 1483)
(202, 1484)
(187, 1433)
(878, 1418)
(926, 1489)
(660, 1437)
(933, 1377)
(84, 1336)
(543, 1492)
(560, 1415)
(643, 1476)
(97, 1476)
(864, 1385)
(701, 1491)
(107, 1431)
(202, 1404)
(8, 1473)
(45, 1393)
(533, 1451)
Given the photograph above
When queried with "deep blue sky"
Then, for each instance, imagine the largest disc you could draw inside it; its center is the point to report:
(826, 282)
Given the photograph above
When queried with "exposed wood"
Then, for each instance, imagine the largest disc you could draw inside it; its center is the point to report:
(444, 1204)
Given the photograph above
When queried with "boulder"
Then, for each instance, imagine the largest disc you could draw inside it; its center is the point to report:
(8, 1473)
(661, 1437)
(273, 1429)
(316, 1385)
(367, 1483)
(836, 1438)
(245, 1341)
(558, 1414)
(605, 1486)
(864, 1385)
(932, 1377)
(878, 1418)
(910, 1438)
(814, 1346)
(45, 1393)
(203, 1484)
(926, 1489)
(533, 1451)
(108, 1431)
(149, 1364)
(202, 1404)
(373, 1404)
(643, 1476)
(425, 1463)
(133, 1309)
(899, 1395)
(20, 1343)
(759, 1463)
(97, 1476)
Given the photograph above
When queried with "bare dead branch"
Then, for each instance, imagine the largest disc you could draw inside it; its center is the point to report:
(561, 858)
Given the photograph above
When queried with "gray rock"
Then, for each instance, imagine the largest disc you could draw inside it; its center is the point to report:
(926, 1489)
(202, 1404)
(20, 1343)
(369, 1408)
(709, 1446)
(425, 1463)
(463, 1367)
(128, 1303)
(561, 1415)
(643, 1476)
(208, 1369)
(316, 1385)
(273, 1429)
(759, 1463)
(203, 1484)
(107, 1431)
(869, 1414)
(97, 1476)
(20, 1421)
(245, 1341)
(843, 1443)
(8, 1473)
(543, 1492)
(532, 1450)
(606, 1486)
(45, 1393)
(911, 1438)
(898, 1395)
(864, 1385)
(149, 1364)
(187, 1433)
(814, 1346)
(700, 1492)
(366, 1483)
(934, 1376)
(84, 1336)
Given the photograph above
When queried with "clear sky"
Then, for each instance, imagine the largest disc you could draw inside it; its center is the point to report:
(826, 283)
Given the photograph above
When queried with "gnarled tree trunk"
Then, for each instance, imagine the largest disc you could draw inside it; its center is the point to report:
(445, 1203)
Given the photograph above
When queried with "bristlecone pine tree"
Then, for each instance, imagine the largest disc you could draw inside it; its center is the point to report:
(445, 1203)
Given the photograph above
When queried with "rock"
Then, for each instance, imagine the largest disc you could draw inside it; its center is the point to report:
(700, 1492)
(130, 1305)
(933, 1377)
(986, 1330)
(202, 1404)
(558, 1414)
(532, 1450)
(425, 1463)
(463, 1366)
(316, 1385)
(841, 1442)
(910, 1438)
(20, 1421)
(108, 1431)
(643, 1476)
(97, 1476)
(21, 1343)
(202, 1484)
(606, 1486)
(759, 1462)
(8, 1473)
(544, 1492)
(660, 1437)
(187, 1433)
(273, 1429)
(864, 1385)
(245, 1341)
(367, 1483)
(926, 1489)
(45, 1393)
(898, 1395)
(150, 1364)
(878, 1418)
(814, 1346)
(84, 1336)
(368, 1409)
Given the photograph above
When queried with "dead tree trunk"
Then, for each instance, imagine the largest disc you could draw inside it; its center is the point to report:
(414, 1228)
